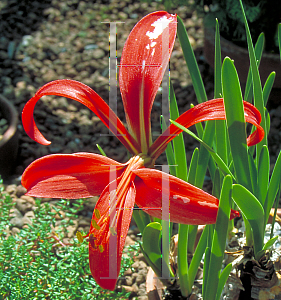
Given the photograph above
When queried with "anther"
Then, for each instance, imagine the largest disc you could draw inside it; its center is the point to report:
(95, 225)
(79, 236)
(97, 213)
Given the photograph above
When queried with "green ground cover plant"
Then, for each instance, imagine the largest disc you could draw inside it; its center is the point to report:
(36, 264)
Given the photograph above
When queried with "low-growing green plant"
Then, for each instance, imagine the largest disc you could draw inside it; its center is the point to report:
(36, 264)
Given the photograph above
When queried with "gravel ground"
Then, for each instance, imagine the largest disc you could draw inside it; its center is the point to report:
(41, 41)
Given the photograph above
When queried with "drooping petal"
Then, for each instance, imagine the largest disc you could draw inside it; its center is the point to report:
(209, 110)
(82, 93)
(69, 176)
(105, 252)
(187, 203)
(144, 59)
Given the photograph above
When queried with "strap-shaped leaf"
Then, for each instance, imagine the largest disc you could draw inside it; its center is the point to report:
(279, 38)
(270, 243)
(141, 218)
(235, 120)
(217, 159)
(223, 278)
(263, 174)
(151, 243)
(253, 172)
(258, 96)
(268, 86)
(249, 84)
(191, 62)
(178, 142)
(219, 239)
(217, 64)
(253, 211)
(273, 187)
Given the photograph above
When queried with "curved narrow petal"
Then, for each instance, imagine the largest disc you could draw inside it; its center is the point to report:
(209, 110)
(187, 203)
(105, 262)
(144, 59)
(82, 93)
(69, 176)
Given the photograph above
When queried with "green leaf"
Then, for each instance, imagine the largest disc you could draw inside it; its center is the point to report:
(223, 278)
(152, 232)
(206, 272)
(197, 256)
(182, 260)
(253, 211)
(191, 62)
(270, 243)
(217, 65)
(263, 174)
(249, 84)
(219, 239)
(178, 142)
(268, 87)
(253, 172)
(217, 184)
(169, 151)
(101, 150)
(193, 166)
(235, 120)
(217, 159)
(279, 38)
(258, 96)
(141, 218)
(273, 187)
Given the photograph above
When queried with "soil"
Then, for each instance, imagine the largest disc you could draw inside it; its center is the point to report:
(41, 41)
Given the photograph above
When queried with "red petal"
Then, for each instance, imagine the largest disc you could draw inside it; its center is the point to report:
(105, 266)
(82, 93)
(188, 204)
(69, 176)
(142, 70)
(209, 110)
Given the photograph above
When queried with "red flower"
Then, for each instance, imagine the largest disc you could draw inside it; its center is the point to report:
(120, 186)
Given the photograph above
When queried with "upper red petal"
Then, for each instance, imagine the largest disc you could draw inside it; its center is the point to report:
(105, 266)
(209, 110)
(187, 203)
(144, 59)
(82, 93)
(69, 176)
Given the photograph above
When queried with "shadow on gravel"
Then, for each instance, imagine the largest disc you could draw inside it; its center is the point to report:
(18, 18)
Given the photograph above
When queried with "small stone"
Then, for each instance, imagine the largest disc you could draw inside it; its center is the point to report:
(85, 222)
(135, 265)
(129, 241)
(128, 280)
(16, 218)
(23, 206)
(11, 189)
(15, 230)
(128, 289)
(128, 272)
(28, 199)
(135, 288)
(98, 53)
(142, 265)
(27, 218)
(20, 191)
(140, 279)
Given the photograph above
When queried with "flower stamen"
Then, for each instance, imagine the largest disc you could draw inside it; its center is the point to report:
(95, 225)
(97, 213)
(79, 237)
